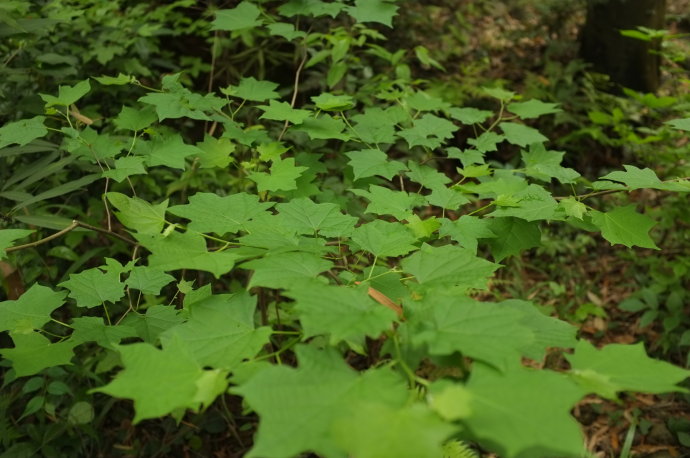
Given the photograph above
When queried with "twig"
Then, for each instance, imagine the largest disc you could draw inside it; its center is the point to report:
(75, 224)
(295, 90)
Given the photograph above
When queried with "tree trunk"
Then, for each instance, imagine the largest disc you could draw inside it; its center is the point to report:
(629, 62)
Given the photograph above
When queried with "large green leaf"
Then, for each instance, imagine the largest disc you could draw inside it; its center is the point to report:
(636, 178)
(33, 352)
(625, 226)
(23, 131)
(148, 280)
(252, 89)
(243, 16)
(306, 217)
(67, 95)
(512, 236)
(384, 239)
(617, 367)
(168, 150)
(467, 230)
(220, 332)
(370, 162)
(384, 201)
(533, 108)
(138, 214)
(93, 287)
(220, 214)
(521, 135)
(298, 407)
(283, 176)
(31, 311)
(381, 11)
(285, 270)
(429, 131)
(8, 236)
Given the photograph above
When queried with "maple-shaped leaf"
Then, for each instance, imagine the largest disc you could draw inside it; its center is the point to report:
(384, 239)
(186, 250)
(543, 165)
(125, 167)
(521, 412)
(381, 11)
(618, 367)
(253, 90)
(681, 124)
(93, 329)
(370, 162)
(429, 131)
(67, 95)
(31, 311)
(480, 330)
(486, 142)
(135, 119)
(269, 232)
(343, 313)
(285, 30)
(372, 126)
(512, 236)
(330, 102)
(92, 145)
(446, 198)
(306, 217)
(423, 101)
(375, 430)
(533, 108)
(23, 131)
(422, 228)
(179, 102)
(243, 16)
(33, 352)
(469, 115)
(210, 212)
(531, 204)
(282, 111)
(8, 236)
(220, 332)
(325, 127)
(284, 270)
(310, 8)
(449, 266)
(138, 214)
(573, 207)
(93, 287)
(625, 226)
(159, 381)
(384, 201)
(521, 135)
(298, 406)
(148, 280)
(426, 176)
(467, 230)
(168, 150)
(158, 318)
(636, 178)
(283, 176)
(214, 152)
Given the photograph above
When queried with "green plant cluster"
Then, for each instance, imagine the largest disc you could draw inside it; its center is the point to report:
(315, 251)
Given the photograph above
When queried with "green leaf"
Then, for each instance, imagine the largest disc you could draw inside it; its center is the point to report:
(625, 226)
(617, 367)
(429, 131)
(544, 165)
(282, 111)
(682, 124)
(186, 251)
(573, 207)
(374, 430)
(120, 80)
(253, 90)
(380, 11)
(284, 270)
(384, 201)
(31, 311)
(521, 135)
(426, 176)
(373, 126)
(531, 204)
(467, 230)
(384, 239)
(512, 236)
(159, 381)
(243, 16)
(298, 407)
(210, 212)
(329, 102)
(67, 95)
(157, 319)
(135, 119)
(344, 314)
(285, 30)
(220, 331)
(33, 352)
(23, 131)
(486, 142)
(499, 93)
(138, 214)
(370, 162)
(93, 329)
(283, 176)
(324, 127)
(92, 287)
(125, 167)
(469, 115)
(447, 198)
(178, 102)
(148, 280)
(533, 108)
(448, 266)
(8, 236)
(169, 151)
(422, 101)
(480, 330)
(310, 8)
(523, 412)
(636, 178)
(423, 227)
(306, 217)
